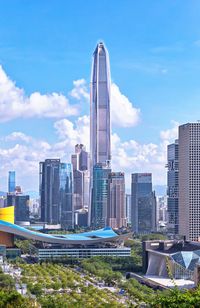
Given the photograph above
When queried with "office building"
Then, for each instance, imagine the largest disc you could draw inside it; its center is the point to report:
(143, 203)
(100, 107)
(50, 191)
(172, 187)
(21, 207)
(128, 208)
(100, 132)
(116, 211)
(80, 162)
(66, 196)
(56, 193)
(99, 195)
(189, 181)
(11, 182)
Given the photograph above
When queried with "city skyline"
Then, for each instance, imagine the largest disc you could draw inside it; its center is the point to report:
(143, 75)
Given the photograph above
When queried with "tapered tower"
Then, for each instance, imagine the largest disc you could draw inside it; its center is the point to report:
(100, 107)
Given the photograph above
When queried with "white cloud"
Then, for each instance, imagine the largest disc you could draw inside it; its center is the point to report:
(80, 90)
(74, 133)
(14, 103)
(170, 134)
(123, 113)
(129, 156)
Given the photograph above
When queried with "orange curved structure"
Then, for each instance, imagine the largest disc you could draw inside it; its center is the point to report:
(7, 214)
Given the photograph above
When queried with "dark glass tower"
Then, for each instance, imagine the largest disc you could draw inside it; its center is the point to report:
(143, 203)
(66, 196)
(50, 191)
(99, 196)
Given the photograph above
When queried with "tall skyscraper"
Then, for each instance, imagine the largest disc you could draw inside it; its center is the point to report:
(128, 208)
(56, 193)
(143, 203)
(100, 107)
(100, 147)
(99, 196)
(11, 182)
(189, 181)
(66, 196)
(50, 191)
(172, 187)
(116, 211)
(80, 162)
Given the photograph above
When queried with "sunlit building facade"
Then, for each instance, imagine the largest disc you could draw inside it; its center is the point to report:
(116, 211)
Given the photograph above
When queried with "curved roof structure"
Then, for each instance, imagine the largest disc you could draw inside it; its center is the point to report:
(86, 238)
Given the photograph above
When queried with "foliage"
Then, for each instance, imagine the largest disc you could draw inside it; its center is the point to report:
(153, 236)
(6, 281)
(138, 291)
(88, 297)
(176, 299)
(24, 245)
(14, 299)
(103, 268)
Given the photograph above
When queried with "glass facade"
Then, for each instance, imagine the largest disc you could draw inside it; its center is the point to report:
(11, 182)
(50, 191)
(66, 196)
(100, 107)
(172, 187)
(143, 203)
(99, 196)
(21, 207)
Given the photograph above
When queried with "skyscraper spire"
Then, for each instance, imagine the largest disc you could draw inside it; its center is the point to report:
(100, 107)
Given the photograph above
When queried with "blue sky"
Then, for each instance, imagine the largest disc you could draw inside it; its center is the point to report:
(45, 46)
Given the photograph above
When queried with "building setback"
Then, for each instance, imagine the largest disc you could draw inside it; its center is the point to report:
(172, 187)
(143, 203)
(116, 214)
(189, 181)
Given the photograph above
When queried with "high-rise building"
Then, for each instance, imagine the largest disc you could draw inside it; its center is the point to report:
(21, 207)
(100, 147)
(189, 181)
(50, 191)
(128, 208)
(99, 195)
(116, 212)
(66, 196)
(11, 182)
(56, 193)
(80, 162)
(100, 107)
(172, 187)
(143, 203)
